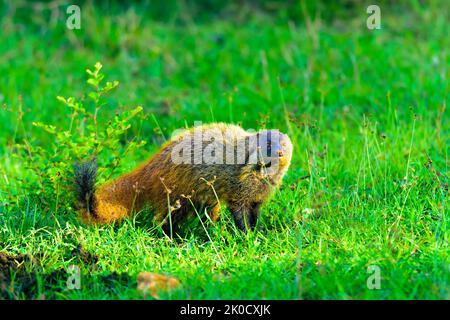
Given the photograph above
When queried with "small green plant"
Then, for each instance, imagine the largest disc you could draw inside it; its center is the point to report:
(84, 139)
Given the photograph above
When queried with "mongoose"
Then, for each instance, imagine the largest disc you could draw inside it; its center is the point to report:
(199, 168)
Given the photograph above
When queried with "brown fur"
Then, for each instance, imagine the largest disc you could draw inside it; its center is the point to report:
(177, 188)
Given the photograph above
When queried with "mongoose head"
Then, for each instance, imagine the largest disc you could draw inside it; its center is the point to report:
(271, 153)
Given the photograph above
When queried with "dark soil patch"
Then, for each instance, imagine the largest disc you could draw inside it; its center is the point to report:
(114, 278)
(16, 282)
(84, 256)
(8, 262)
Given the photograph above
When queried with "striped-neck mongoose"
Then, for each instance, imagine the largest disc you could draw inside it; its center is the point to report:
(200, 168)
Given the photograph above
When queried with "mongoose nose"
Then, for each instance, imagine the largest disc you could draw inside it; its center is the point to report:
(280, 153)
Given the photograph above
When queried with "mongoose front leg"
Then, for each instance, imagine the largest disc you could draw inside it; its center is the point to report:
(254, 214)
(246, 217)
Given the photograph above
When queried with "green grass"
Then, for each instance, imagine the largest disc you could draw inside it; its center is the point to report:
(361, 107)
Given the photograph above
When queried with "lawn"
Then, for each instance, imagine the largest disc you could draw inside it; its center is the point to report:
(365, 109)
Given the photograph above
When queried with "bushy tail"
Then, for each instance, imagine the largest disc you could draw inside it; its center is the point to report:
(85, 174)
